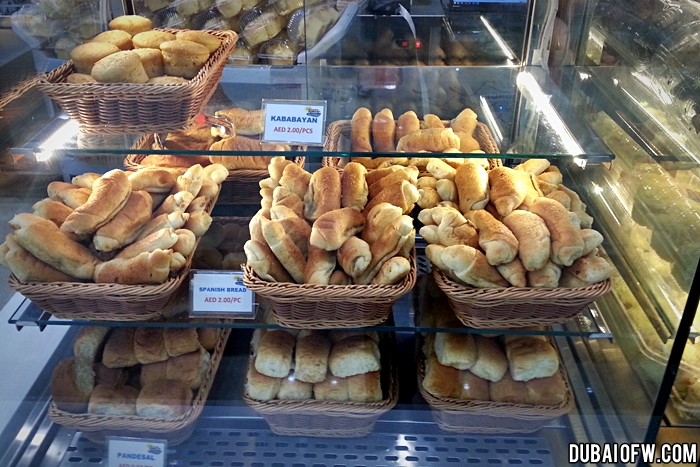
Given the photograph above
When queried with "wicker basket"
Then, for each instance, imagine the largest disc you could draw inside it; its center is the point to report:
(125, 108)
(175, 430)
(516, 306)
(338, 140)
(312, 306)
(486, 417)
(240, 187)
(104, 302)
(330, 419)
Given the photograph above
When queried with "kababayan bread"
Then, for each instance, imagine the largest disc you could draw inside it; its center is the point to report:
(432, 140)
(354, 189)
(120, 67)
(183, 58)
(323, 194)
(360, 126)
(333, 228)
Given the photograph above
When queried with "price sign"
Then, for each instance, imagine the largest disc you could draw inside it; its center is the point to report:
(220, 293)
(294, 122)
(136, 452)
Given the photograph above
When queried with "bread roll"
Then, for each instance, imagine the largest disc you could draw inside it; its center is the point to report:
(217, 173)
(111, 400)
(578, 207)
(164, 399)
(354, 356)
(360, 130)
(441, 170)
(332, 388)
(533, 166)
(591, 240)
(175, 202)
(274, 356)
(292, 388)
(403, 195)
(126, 225)
(52, 210)
(67, 193)
(298, 229)
(455, 230)
(514, 273)
(547, 276)
(286, 251)
(282, 196)
(428, 198)
(508, 189)
(319, 267)
(246, 122)
(378, 219)
(208, 338)
(365, 387)
(110, 192)
(409, 174)
(338, 335)
(174, 220)
(407, 123)
(433, 140)
(354, 190)
(146, 268)
(89, 341)
(387, 246)
(455, 350)
(265, 264)
(340, 278)
(533, 238)
(586, 271)
(259, 386)
(491, 362)
(119, 349)
(472, 387)
(311, 358)
(109, 376)
(472, 183)
(392, 271)
(72, 382)
(561, 197)
(375, 175)
(447, 190)
(441, 380)
(383, 127)
(189, 368)
(296, 179)
(149, 345)
(198, 223)
(282, 212)
(179, 341)
(333, 228)
(497, 241)
(426, 181)
(567, 244)
(531, 357)
(163, 239)
(508, 390)
(27, 267)
(43, 239)
(554, 178)
(85, 180)
(546, 391)
(323, 194)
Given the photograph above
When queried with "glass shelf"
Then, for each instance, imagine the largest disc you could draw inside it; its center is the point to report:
(525, 111)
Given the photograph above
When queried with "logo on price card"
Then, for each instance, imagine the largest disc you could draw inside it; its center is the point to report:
(220, 292)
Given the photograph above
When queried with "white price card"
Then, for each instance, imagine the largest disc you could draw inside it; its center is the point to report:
(136, 452)
(294, 122)
(220, 293)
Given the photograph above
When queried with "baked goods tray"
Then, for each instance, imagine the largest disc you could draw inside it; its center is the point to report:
(338, 140)
(487, 417)
(516, 306)
(127, 108)
(331, 419)
(313, 306)
(241, 185)
(175, 430)
(104, 302)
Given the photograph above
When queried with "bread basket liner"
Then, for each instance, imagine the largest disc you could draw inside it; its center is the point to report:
(314, 306)
(341, 128)
(128, 108)
(516, 306)
(331, 419)
(103, 301)
(176, 430)
(487, 417)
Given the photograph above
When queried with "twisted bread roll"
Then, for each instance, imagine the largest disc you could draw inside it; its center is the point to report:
(146, 268)
(567, 244)
(26, 267)
(471, 266)
(55, 211)
(441, 169)
(533, 238)
(152, 180)
(472, 182)
(586, 271)
(379, 218)
(333, 228)
(533, 166)
(173, 220)
(403, 195)
(514, 273)
(387, 246)
(447, 190)
(43, 239)
(70, 195)
(508, 189)
(179, 201)
(497, 241)
(319, 266)
(264, 262)
(428, 197)
(454, 230)
(392, 271)
(285, 250)
(547, 276)
(160, 240)
(126, 225)
(295, 179)
(354, 256)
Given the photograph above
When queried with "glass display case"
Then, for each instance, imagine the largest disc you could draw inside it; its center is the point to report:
(601, 92)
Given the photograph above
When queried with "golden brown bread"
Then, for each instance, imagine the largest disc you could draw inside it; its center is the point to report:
(497, 241)
(441, 380)
(353, 186)
(296, 179)
(43, 239)
(392, 271)
(164, 398)
(491, 362)
(274, 354)
(533, 166)
(431, 121)
(473, 186)
(365, 387)
(433, 140)
(109, 193)
(354, 256)
(311, 358)
(149, 346)
(286, 251)
(428, 197)
(323, 194)
(472, 387)
(533, 238)
(246, 122)
(333, 228)
(189, 368)
(55, 211)
(179, 201)
(471, 266)
(508, 390)
(403, 195)
(360, 130)
(319, 267)
(179, 341)
(409, 174)
(455, 230)
(119, 349)
(383, 127)
(146, 268)
(585, 271)
(162, 239)
(406, 124)
(174, 220)
(566, 241)
(514, 273)
(126, 224)
(377, 219)
(71, 195)
(547, 276)
(387, 245)
(72, 382)
(26, 267)
(508, 189)
(441, 170)
(153, 180)
(88, 343)
(374, 175)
